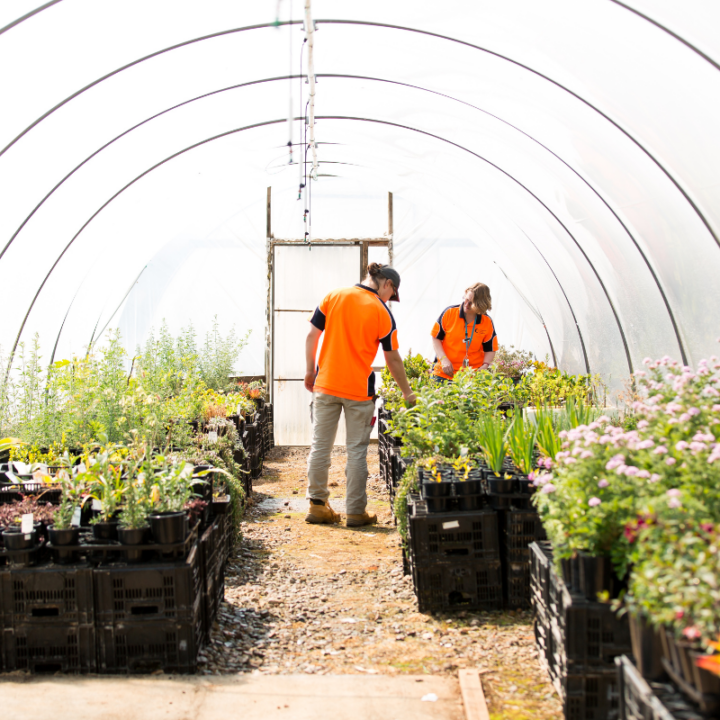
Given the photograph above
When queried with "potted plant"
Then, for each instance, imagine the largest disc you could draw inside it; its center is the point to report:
(107, 490)
(521, 446)
(171, 490)
(133, 527)
(492, 435)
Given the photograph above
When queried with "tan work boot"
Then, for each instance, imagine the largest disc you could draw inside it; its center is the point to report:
(358, 520)
(322, 515)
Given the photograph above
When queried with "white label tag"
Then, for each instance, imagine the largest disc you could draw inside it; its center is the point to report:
(12, 477)
(97, 505)
(26, 526)
(450, 525)
(75, 522)
(212, 436)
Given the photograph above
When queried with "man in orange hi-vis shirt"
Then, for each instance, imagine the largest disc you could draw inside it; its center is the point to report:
(356, 321)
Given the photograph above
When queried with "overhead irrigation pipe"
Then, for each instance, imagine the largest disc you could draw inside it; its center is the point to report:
(310, 36)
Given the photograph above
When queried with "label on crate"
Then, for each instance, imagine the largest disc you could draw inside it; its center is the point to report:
(12, 477)
(27, 524)
(451, 524)
(213, 436)
(75, 522)
(97, 505)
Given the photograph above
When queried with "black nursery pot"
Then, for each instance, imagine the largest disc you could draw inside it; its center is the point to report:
(596, 575)
(16, 540)
(500, 484)
(436, 489)
(106, 531)
(169, 528)
(220, 506)
(67, 537)
(468, 487)
(134, 536)
(524, 485)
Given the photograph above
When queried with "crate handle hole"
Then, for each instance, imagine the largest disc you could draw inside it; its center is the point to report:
(457, 551)
(46, 612)
(145, 610)
(48, 667)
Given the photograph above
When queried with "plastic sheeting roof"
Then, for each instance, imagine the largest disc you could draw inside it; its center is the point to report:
(563, 152)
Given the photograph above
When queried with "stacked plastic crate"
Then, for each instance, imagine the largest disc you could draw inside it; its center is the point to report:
(110, 610)
(47, 615)
(454, 558)
(644, 700)
(578, 641)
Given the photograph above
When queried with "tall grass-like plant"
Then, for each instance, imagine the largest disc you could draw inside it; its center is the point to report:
(492, 432)
(521, 438)
(548, 440)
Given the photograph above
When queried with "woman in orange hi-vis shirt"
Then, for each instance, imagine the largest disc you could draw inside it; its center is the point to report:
(464, 335)
(356, 321)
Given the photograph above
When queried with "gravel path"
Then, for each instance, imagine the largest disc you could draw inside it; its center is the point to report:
(329, 599)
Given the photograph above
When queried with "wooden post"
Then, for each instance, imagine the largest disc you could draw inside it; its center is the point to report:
(363, 260)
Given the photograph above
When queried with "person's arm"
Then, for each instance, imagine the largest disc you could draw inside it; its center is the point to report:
(489, 358)
(442, 357)
(311, 343)
(397, 370)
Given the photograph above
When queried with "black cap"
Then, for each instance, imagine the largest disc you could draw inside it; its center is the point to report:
(391, 274)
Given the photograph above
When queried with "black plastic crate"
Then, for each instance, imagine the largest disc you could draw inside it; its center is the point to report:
(459, 586)
(517, 585)
(46, 594)
(519, 530)
(451, 537)
(136, 647)
(541, 568)
(591, 697)
(50, 648)
(590, 634)
(641, 700)
(148, 592)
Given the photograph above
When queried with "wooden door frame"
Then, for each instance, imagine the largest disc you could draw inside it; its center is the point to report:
(272, 242)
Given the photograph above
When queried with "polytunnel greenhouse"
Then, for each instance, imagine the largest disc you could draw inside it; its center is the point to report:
(228, 449)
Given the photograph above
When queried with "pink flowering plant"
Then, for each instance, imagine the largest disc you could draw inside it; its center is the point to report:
(605, 477)
(674, 581)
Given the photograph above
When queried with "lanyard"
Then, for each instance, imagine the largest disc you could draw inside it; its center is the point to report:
(468, 340)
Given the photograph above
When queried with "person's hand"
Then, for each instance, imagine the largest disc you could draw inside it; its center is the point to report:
(410, 399)
(310, 376)
(447, 366)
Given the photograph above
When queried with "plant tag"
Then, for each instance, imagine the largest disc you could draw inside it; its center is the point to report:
(75, 522)
(97, 505)
(213, 436)
(26, 526)
(12, 477)
(450, 525)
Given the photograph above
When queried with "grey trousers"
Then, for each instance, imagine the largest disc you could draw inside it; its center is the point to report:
(358, 421)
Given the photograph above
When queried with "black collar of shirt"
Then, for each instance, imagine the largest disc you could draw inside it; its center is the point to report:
(462, 311)
(365, 287)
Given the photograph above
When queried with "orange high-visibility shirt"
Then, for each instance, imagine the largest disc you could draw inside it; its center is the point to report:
(450, 330)
(355, 321)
